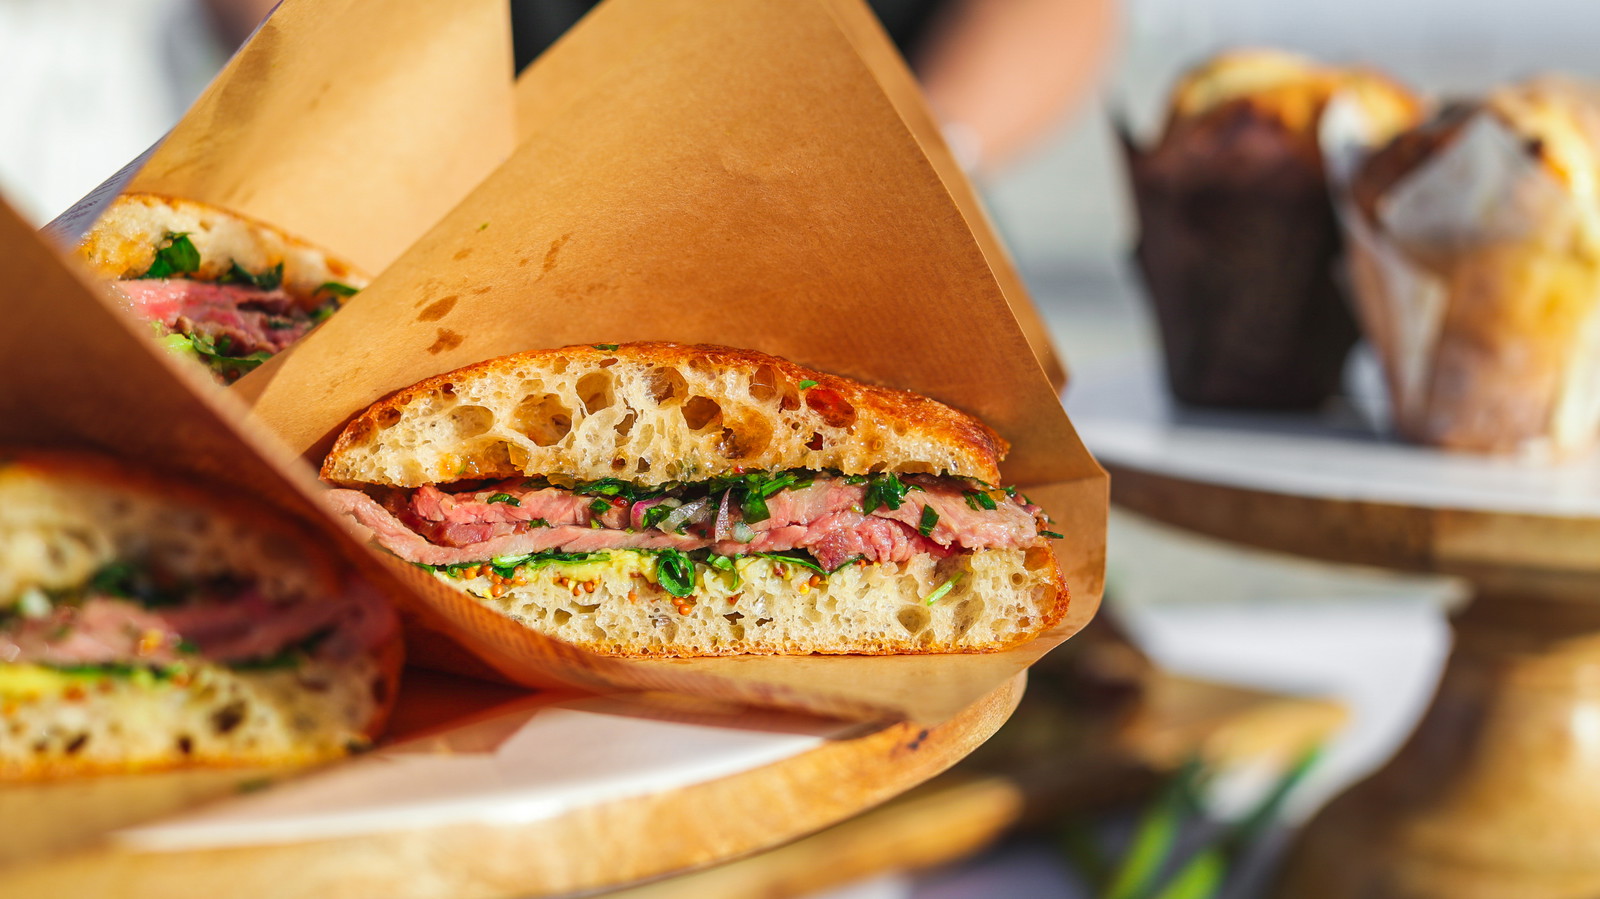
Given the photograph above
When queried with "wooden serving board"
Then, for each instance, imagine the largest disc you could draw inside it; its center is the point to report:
(483, 792)
(970, 807)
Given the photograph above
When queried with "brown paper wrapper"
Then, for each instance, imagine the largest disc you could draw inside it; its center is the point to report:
(351, 124)
(1478, 287)
(1237, 248)
(703, 175)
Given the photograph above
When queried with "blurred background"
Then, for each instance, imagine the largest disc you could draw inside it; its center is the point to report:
(90, 84)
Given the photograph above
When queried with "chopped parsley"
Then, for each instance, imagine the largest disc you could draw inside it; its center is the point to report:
(1053, 535)
(271, 279)
(608, 347)
(177, 256)
(505, 499)
(928, 521)
(807, 384)
(978, 499)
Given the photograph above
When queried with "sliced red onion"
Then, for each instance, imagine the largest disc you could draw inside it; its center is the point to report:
(636, 514)
(686, 514)
(720, 531)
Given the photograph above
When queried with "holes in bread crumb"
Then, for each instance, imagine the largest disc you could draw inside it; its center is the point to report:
(185, 744)
(815, 443)
(388, 417)
(228, 718)
(607, 363)
(966, 614)
(748, 438)
(470, 421)
(1018, 579)
(625, 426)
(560, 617)
(543, 418)
(76, 744)
(641, 466)
(914, 619)
(701, 412)
(666, 385)
(594, 391)
(764, 384)
(833, 409)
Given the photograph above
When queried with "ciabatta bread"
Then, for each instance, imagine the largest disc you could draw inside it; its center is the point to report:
(651, 413)
(123, 244)
(583, 441)
(63, 518)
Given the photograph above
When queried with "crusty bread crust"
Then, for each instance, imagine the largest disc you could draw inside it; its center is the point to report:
(123, 244)
(652, 413)
(63, 516)
(999, 598)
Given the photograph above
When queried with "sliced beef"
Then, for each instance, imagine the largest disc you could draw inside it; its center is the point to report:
(241, 318)
(430, 526)
(241, 626)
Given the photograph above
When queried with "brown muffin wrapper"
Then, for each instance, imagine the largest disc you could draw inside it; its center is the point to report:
(1483, 312)
(1236, 249)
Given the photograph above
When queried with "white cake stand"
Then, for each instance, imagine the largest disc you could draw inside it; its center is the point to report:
(1497, 793)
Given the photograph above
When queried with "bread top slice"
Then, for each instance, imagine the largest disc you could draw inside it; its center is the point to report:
(652, 413)
(64, 515)
(122, 245)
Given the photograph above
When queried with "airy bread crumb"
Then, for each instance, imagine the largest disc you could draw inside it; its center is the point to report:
(652, 413)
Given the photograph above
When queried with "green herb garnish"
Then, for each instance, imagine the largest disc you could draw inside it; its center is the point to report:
(675, 572)
(608, 347)
(337, 289)
(504, 498)
(978, 499)
(270, 279)
(793, 558)
(884, 490)
(929, 521)
(940, 591)
(1053, 535)
(807, 384)
(176, 257)
(725, 563)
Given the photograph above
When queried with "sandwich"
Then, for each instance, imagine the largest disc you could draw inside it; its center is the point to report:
(1238, 238)
(1493, 207)
(214, 286)
(659, 500)
(147, 624)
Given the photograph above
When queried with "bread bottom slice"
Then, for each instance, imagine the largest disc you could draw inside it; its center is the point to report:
(58, 723)
(996, 599)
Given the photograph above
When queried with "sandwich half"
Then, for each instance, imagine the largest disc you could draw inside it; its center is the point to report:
(653, 499)
(221, 288)
(150, 624)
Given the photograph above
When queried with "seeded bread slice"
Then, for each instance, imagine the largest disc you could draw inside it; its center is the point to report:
(651, 413)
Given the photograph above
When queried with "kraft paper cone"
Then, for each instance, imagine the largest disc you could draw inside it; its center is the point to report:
(76, 375)
(718, 174)
(1485, 317)
(354, 125)
(554, 77)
